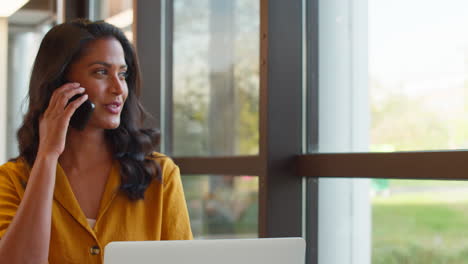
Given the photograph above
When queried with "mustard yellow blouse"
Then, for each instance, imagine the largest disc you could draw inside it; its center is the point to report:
(162, 215)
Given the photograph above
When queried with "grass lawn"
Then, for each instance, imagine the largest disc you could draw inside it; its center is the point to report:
(427, 183)
(428, 227)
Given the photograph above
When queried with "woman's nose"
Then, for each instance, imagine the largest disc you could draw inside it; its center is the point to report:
(118, 85)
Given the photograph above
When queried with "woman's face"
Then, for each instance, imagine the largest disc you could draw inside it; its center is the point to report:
(102, 71)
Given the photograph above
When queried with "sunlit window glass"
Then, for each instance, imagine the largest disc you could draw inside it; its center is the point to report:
(215, 77)
(222, 206)
(392, 77)
(416, 221)
(418, 57)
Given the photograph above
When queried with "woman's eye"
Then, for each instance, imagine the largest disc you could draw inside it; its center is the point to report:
(123, 75)
(101, 72)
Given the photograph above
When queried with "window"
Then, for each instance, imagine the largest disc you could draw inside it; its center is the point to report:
(207, 87)
(319, 112)
(222, 206)
(215, 78)
(384, 85)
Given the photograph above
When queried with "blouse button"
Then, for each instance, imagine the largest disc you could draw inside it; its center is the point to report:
(94, 250)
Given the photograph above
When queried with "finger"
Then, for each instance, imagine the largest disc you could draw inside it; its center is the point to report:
(64, 98)
(71, 108)
(64, 88)
(60, 90)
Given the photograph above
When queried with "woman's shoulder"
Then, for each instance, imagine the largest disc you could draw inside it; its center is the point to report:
(166, 164)
(15, 169)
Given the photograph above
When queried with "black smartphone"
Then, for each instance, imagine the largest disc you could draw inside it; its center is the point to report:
(82, 115)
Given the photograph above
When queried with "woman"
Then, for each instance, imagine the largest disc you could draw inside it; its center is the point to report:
(72, 191)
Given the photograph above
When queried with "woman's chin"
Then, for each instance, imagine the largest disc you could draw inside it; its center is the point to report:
(113, 125)
(106, 123)
(110, 124)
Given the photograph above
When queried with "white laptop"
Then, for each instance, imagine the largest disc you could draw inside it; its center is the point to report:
(226, 251)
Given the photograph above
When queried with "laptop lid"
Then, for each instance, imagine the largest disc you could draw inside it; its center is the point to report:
(226, 251)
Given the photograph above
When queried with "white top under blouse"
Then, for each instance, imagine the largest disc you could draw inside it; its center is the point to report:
(91, 222)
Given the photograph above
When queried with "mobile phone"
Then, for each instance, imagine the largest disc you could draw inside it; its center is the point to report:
(82, 114)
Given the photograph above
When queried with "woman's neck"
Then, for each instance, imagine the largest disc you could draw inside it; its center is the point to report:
(84, 149)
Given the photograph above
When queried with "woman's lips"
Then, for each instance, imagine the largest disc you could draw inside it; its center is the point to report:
(113, 108)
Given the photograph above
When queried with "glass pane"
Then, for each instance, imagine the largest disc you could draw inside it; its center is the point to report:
(116, 12)
(418, 57)
(215, 77)
(419, 221)
(388, 221)
(222, 206)
(393, 75)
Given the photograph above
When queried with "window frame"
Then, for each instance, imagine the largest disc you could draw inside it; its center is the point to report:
(288, 173)
(280, 191)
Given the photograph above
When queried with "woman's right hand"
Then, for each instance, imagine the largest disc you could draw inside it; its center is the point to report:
(53, 124)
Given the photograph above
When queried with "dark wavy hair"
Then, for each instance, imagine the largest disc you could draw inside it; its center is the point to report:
(131, 144)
